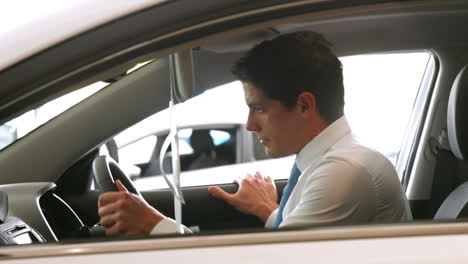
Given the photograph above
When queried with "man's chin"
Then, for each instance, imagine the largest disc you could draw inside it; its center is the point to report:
(272, 153)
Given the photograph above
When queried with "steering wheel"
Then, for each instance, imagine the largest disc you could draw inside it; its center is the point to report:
(106, 171)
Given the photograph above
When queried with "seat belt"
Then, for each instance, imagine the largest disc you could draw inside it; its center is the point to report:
(173, 140)
(445, 172)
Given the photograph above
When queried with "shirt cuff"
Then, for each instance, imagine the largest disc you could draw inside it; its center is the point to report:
(167, 226)
(270, 223)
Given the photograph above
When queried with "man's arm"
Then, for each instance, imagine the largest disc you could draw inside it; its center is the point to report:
(256, 196)
(124, 213)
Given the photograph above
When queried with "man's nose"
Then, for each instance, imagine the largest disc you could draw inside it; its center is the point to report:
(251, 123)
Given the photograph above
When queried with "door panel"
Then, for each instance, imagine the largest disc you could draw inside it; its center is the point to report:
(201, 209)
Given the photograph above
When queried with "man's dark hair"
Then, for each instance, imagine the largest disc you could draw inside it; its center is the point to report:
(292, 63)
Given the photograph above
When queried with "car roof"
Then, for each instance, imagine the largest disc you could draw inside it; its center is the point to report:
(21, 22)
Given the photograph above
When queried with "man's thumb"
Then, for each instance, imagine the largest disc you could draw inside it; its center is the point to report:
(120, 186)
(219, 193)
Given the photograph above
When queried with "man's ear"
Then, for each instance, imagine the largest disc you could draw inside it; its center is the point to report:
(307, 104)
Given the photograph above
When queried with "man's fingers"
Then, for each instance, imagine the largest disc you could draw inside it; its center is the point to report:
(109, 197)
(116, 229)
(107, 209)
(107, 221)
(120, 186)
(220, 193)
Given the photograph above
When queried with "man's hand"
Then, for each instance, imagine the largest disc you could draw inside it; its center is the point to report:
(256, 195)
(124, 213)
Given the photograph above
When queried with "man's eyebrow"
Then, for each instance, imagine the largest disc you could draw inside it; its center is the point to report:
(253, 104)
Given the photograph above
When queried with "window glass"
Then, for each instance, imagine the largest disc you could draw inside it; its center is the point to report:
(220, 137)
(380, 91)
(184, 141)
(27, 122)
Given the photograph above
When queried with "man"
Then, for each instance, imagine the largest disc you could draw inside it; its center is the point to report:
(293, 86)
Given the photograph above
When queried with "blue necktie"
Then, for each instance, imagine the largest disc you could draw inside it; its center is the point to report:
(287, 192)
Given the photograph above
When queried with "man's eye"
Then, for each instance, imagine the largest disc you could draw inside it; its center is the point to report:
(258, 109)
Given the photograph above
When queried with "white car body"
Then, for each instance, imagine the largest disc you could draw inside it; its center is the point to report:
(24, 21)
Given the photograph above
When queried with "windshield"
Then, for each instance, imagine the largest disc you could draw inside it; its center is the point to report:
(27, 122)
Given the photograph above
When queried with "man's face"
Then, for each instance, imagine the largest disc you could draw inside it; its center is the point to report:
(277, 127)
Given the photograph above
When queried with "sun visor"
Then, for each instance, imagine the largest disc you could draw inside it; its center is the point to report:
(212, 61)
(182, 70)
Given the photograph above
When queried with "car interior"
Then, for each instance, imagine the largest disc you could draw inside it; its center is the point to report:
(48, 190)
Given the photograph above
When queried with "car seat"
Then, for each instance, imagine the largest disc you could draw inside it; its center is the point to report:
(455, 205)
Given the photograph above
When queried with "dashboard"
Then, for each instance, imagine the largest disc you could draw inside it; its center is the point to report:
(16, 232)
(33, 213)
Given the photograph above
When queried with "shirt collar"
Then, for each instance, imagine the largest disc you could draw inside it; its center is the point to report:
(315, 149)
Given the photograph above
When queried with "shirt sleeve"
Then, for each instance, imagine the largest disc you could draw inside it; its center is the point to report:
(336, 192)
(167, 226)
(270, 223)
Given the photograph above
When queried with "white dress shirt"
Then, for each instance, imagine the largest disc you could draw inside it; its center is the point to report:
(167, 226)
(342, 182)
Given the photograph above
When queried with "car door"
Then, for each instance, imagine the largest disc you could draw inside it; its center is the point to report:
(208, 213)
(70, 140)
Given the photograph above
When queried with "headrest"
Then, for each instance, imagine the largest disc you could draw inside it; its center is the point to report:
(457, 115)
(201, 141)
